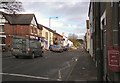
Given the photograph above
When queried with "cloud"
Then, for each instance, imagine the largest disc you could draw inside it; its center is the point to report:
(68, 10)
(71, 15)
(55, 0)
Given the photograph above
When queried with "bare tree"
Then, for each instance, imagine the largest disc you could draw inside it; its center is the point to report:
(72, 36)
(12, 6)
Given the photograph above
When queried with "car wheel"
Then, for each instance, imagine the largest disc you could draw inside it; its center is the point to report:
(17, 57)
(32, 56)
(41, 55)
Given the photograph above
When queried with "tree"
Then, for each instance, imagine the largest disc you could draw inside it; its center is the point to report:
(12, 6)
(73, 38)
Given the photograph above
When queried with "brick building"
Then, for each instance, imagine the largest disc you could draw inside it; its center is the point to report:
(57, 38)
(104, 26)
(20, 25)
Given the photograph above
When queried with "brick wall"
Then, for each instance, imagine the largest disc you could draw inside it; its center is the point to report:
(10, 30)
(109, 22)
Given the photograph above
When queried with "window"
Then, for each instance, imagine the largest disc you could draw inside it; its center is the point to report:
(33, 44)
(3, 40)
(111, 3)
(1, 28)
(46, 35)
(115, 37)
(50, 36)
(2, 20)
(36, 31)
(40, 33)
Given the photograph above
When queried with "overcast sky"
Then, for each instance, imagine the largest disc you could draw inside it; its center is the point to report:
(72, 14)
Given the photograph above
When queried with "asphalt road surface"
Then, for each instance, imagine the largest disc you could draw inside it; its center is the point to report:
(52, 66)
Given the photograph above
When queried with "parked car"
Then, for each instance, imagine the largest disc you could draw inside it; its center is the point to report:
(26, 47)
(57, 48)
(50, 47)
(65, 48)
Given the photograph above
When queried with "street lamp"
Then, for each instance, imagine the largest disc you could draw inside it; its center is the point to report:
(50, 21)
(50, 26)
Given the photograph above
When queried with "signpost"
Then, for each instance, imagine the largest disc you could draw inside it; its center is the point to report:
(114, 58)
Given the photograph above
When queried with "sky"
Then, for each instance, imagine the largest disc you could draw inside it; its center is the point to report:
(72, 14)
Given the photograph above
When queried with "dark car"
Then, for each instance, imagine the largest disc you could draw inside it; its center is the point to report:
(66, 48)
(50, 47)
(26, 47)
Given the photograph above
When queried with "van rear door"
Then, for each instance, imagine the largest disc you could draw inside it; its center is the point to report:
(19, 45)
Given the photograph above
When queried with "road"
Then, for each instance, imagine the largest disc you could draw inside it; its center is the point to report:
(52, 66)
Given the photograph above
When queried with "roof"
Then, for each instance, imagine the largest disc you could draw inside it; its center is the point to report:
(54, 31)
(46, 28)
(89, 9)
(23, 19)
(1, 12)
(58, 34)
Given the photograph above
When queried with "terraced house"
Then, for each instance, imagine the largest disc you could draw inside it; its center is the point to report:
(47, 36)
(50, 37)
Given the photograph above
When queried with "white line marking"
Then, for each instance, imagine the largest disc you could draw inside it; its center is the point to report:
(59, 75)
(76, 59)
(59, 71)
(70, 71)
(29, 76)
(68, 64)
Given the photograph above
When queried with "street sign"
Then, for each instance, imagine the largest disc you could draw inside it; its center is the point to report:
(114, 58)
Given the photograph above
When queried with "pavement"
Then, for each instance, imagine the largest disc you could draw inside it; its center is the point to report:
(85, 69)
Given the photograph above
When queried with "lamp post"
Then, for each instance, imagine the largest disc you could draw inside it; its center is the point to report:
(50, 27)
(50, 21)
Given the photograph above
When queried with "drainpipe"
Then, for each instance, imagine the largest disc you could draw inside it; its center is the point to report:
(116, 30)
(99, 55)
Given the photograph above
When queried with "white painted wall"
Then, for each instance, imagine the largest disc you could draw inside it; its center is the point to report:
(50, 37)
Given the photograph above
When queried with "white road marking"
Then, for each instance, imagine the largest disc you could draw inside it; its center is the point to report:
(59, 71)
(59, 75)
(29, 76)
(76, 59)
(68, 64)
